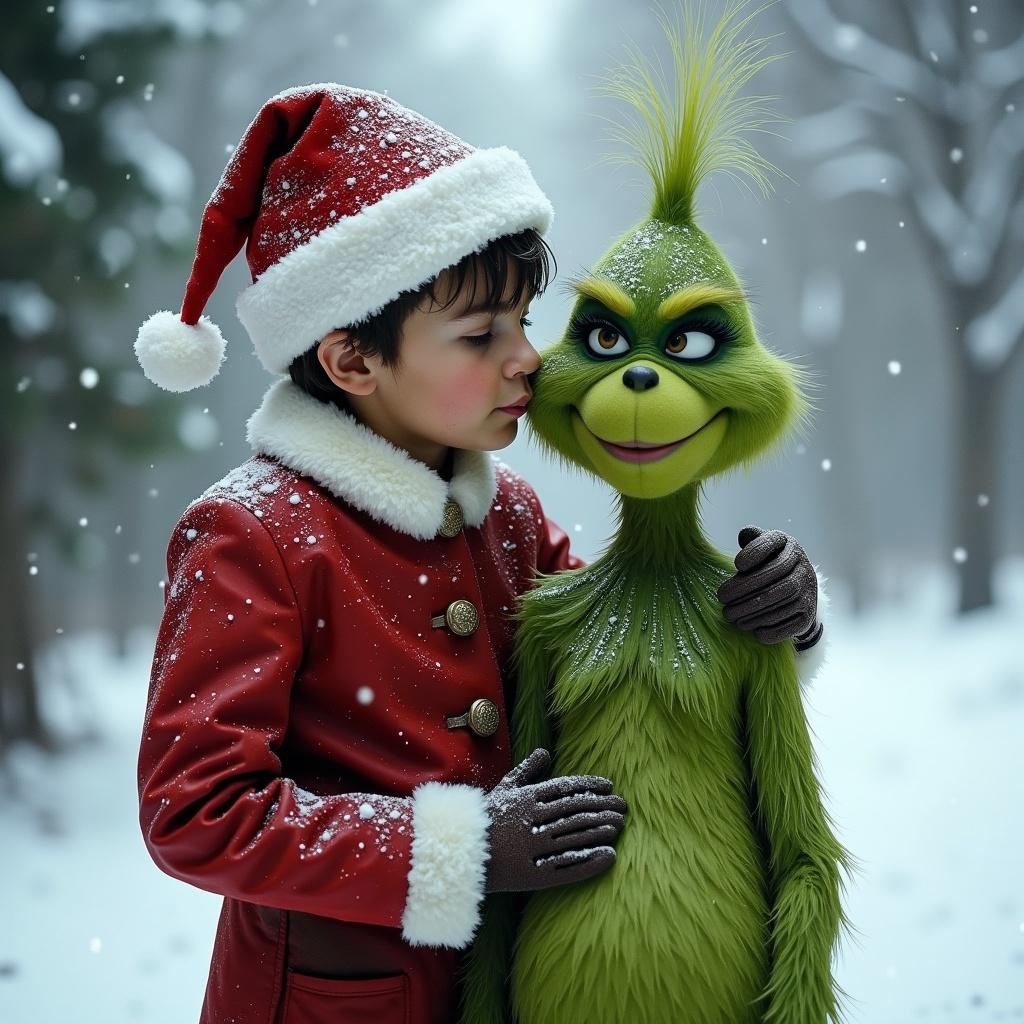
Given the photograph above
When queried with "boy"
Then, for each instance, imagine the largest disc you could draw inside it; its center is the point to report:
(326, 742)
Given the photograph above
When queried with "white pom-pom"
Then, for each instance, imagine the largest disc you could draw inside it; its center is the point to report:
(177, 356)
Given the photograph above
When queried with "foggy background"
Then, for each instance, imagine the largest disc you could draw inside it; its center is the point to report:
(888, 262)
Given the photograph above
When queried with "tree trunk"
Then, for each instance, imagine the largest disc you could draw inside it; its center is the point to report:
(20, 714)
(975, 474)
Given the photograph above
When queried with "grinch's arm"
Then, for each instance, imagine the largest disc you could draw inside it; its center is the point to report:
(805, 857)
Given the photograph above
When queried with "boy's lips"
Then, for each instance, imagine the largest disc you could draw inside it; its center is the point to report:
(517, 408)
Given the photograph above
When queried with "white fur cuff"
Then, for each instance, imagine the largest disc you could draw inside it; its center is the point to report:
(449, 853)
(809, 663)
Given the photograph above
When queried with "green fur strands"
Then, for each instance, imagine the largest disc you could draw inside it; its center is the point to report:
(693, 122)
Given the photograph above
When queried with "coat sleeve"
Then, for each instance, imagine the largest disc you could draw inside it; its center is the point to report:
(553, 554)
(215, 808)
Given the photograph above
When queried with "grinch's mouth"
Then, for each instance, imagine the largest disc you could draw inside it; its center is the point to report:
(642, 451)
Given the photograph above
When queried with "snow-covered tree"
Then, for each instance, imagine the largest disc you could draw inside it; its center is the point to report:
(934, 119)
(86, 190)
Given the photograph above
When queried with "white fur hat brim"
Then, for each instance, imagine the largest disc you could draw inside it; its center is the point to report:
(350, 271)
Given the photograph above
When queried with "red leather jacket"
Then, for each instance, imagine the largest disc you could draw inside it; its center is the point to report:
(296, 755)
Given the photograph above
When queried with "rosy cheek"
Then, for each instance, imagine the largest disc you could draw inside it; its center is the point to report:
(467, 391)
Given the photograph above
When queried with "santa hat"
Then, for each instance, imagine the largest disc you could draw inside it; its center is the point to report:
(344, 200)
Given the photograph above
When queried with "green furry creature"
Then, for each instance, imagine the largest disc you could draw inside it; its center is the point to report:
(723, 906)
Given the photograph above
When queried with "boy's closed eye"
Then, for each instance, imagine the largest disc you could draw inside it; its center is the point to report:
(487, 336)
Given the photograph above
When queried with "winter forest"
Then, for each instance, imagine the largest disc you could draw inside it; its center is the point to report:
(889, 262)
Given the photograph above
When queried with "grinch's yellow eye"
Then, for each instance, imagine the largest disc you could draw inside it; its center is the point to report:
(691, 345)
(604, 340)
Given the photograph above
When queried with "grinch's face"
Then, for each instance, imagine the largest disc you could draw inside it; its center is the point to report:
(659, 380)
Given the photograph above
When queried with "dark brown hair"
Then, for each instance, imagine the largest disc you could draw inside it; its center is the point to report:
(523, 258)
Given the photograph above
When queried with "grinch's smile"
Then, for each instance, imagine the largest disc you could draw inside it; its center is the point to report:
(641, 451)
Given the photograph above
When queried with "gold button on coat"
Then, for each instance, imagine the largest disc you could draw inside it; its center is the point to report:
(482, 718)
(461, 617)
(453, 520)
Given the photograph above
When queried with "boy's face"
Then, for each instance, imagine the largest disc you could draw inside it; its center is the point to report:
(460, 382)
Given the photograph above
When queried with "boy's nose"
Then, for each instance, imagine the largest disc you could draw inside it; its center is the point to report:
(528, 358)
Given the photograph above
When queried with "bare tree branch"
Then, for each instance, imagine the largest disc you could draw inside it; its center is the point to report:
(995, 182)
(942, 215)
(865, 170)
(999, 69)
(993, 336)
(851, 46)
(932, 21)
(830, 130)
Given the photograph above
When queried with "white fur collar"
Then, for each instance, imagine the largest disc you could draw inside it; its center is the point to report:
(321, 441)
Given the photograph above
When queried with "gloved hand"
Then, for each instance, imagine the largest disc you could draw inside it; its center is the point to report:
(774, 593)
(548, 833)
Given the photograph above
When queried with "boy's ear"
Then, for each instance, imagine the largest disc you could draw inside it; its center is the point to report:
(344, 365)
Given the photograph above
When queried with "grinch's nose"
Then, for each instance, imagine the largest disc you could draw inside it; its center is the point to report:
(640, 378)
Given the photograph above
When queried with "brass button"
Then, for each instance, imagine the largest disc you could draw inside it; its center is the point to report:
(453, 520)
(461, 617)
(482, 718)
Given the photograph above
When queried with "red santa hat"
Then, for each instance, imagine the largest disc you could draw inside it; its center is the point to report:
(344, 199)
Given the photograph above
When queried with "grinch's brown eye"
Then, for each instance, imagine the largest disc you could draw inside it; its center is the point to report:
(604, 340)
(691, 345)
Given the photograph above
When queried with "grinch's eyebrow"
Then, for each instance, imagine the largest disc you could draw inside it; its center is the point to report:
(695, 295)
(608, 293)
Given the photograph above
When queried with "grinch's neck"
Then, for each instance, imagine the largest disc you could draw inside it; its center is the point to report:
(660, 535)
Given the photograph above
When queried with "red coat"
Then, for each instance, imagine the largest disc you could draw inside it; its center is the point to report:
(296, 755)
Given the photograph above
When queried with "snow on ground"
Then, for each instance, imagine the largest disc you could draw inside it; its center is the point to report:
(918, 722)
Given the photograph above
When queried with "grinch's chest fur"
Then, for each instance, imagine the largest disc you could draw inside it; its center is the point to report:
(606, 628)
(646, 689)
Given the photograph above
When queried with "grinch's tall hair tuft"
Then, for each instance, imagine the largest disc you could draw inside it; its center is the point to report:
(681, 129)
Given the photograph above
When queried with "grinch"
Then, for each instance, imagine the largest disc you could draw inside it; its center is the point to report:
(724, 903)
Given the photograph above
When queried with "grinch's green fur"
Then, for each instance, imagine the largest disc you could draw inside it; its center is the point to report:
(670, 705)
(685, 127)
(724, 902)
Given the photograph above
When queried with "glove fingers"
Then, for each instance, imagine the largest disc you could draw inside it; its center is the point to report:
(567, 785)
(580, 803)
(765, 599)
(580, 822)
(575, 865)
(743, 584)
(602, 835)
(783, 631)
(760, 549)
(765, 618)
(530, 769)
(747, 534)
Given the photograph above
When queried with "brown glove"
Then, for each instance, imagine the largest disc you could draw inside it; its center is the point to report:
(774, 593)
(548, 833)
